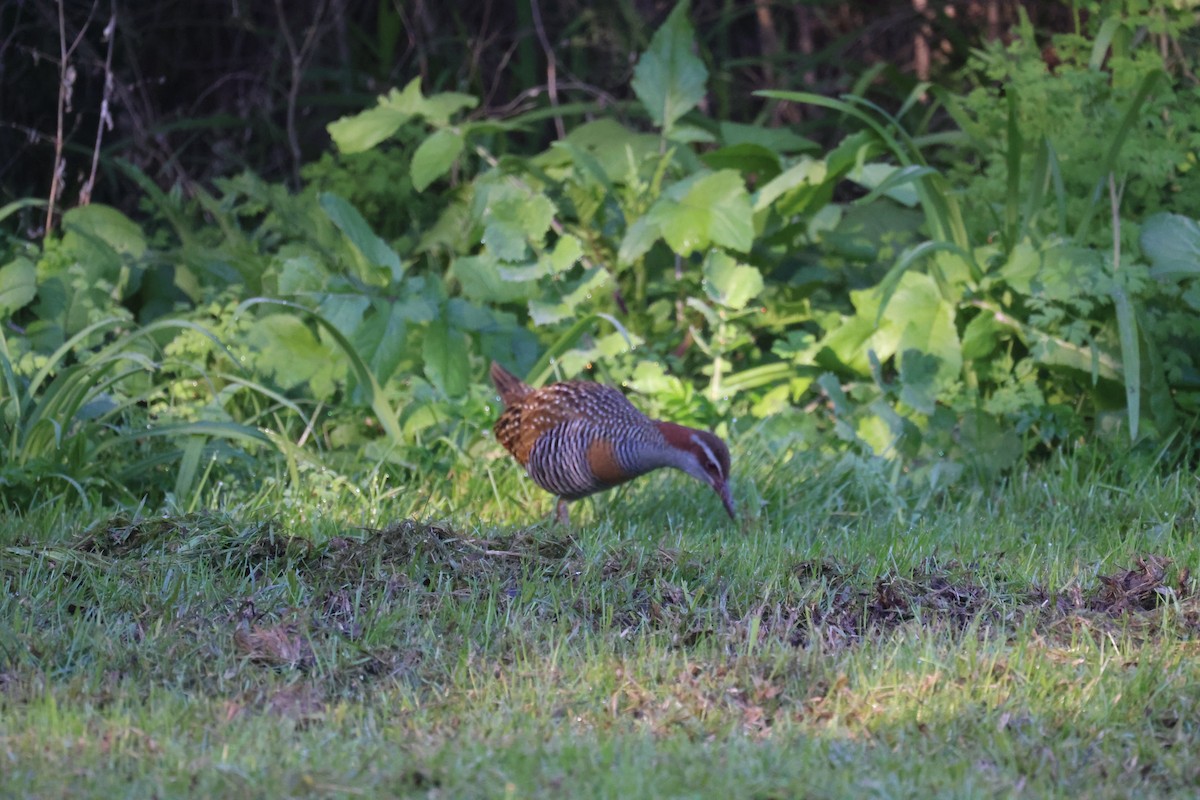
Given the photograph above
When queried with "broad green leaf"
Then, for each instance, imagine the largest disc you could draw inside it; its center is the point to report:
(352, 361)
(925, 321)
(748, 159)
(729, 283)
(544, 312)
(650, 378)
(705, 210)
(18, 285)
(917, 318)
(890, 181)
(1171, 243)
(779, 140)
(445, 353)
(639, 238)
(381, 339)
(351, 223)
(567, 251)
(344, 311)
(843, 347)
(604, 148)
(288, 350)
(302, 275)
(1022, 266)
(523, 272)
(413, 305)
(482, 282)
(669, 79)
(806, 172)
(513, 218)
(436, 108)
(981, 335)
(919, 380)
(434, 157)
(690, 134)
(363, 131)
(360, 132)
(107, 224)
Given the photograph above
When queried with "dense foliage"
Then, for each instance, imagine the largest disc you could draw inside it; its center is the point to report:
(958, 282)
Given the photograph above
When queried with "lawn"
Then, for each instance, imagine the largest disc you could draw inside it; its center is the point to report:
(1037, 639)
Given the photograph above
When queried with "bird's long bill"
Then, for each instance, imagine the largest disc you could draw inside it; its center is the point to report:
(727, 499)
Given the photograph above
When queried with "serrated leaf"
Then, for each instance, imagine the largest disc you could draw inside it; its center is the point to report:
(434, 157)
(446, 361)
(729, 283)
(567, 250)
(669, 79)
(18, 285)
(351, 223)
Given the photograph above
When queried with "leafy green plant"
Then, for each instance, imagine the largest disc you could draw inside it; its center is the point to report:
(959, 319)
(77, 420)
(945, 300)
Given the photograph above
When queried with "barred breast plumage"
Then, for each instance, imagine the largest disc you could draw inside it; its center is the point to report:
(576, 438)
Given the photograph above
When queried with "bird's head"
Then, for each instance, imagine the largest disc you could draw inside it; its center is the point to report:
(705, 457)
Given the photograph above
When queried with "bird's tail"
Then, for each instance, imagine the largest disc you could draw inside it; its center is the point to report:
(511, 388)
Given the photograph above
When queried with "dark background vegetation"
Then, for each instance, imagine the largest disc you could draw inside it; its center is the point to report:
(208, 88)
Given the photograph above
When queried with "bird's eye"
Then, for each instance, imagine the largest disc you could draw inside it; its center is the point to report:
(712, 468)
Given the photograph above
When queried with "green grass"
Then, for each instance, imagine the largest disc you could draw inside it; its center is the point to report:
(847, 641)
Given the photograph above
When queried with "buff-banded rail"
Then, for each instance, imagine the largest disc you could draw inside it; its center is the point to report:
(576, 438)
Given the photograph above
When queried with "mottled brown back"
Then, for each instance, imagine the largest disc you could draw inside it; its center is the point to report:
(575, 437)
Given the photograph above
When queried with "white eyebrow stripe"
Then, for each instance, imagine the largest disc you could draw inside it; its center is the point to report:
(712, 458)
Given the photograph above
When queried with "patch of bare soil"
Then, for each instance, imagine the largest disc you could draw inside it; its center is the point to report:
(303, 702)
(834, 606)
(1139, 589)
(1144, 601)
(122, 535)
(282, 645)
